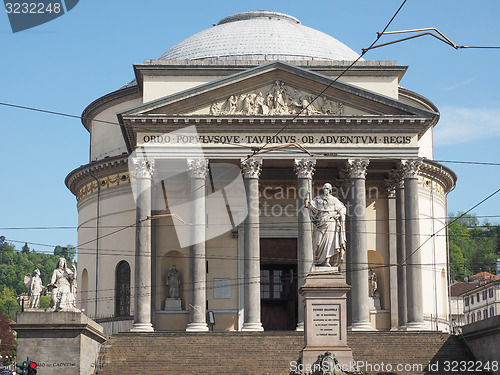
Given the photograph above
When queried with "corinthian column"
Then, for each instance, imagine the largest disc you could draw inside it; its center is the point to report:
(197, 171)
(304, 168)
(251, 169)
(391, 184)
(359, 248)
(413, 250)
(142, 315)
(401, 254)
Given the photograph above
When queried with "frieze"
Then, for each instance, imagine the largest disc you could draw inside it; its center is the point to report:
(276, 99)
(104, 183)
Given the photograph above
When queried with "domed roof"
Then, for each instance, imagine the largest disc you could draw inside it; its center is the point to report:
(260, 35)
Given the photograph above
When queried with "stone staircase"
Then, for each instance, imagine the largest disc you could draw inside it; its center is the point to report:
(272, 352)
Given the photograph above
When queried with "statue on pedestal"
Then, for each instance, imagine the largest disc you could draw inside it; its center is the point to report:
(174, 283)
(63, 284)
(34, 285)
(328, 216)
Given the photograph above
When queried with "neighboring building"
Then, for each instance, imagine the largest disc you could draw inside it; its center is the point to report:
(457, 302)
(243, 84)
(484, 277)
(483, 301)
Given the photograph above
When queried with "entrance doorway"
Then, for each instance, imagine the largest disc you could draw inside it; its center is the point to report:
(278, 283)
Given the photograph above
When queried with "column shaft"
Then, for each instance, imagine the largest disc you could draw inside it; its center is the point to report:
(197, 169)
(142, 314)
(252, 319)
(359, 247)
(304, 169)
(393, 245)
(401, 255)
(413, 250)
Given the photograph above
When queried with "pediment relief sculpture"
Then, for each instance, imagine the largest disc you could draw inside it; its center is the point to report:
(276, 99)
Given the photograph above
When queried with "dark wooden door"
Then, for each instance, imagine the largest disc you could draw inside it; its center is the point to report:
(278, 284)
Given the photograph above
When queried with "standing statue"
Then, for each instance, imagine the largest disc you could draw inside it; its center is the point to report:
(174, 282)
(35, 287)
(328, 216)
(63, 285)
(373, 284)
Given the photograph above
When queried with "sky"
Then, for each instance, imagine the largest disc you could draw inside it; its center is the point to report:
(67, 63)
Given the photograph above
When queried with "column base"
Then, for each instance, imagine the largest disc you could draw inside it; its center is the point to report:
(197, 327)
(415, 326)
(255, 327)
(142, 327)
(300, 327)
(362, 326)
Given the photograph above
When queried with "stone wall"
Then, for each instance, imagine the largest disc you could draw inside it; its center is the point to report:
(482, 338)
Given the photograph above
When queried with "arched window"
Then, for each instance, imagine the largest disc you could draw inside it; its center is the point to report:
(122, 289)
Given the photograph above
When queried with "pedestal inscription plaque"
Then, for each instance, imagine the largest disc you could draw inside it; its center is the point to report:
(326, 319)
(325, 323)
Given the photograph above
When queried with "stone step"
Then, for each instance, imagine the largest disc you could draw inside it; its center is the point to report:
(273, 352)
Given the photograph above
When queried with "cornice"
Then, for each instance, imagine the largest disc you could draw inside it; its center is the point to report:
(434, 171)
(107, 101)
(102, 170)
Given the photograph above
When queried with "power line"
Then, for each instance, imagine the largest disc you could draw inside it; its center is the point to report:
(451, 222)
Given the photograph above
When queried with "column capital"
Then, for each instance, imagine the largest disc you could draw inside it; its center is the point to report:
(357, 167)
(251, 168)
(304, 168)
(394, 180)
(144, 167)
(411, 167)
(197, 168)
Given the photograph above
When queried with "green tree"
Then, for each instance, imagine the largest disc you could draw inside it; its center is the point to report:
(68, 252)
(25, 249)
(472, 246)
(44, 302)
(8, 303)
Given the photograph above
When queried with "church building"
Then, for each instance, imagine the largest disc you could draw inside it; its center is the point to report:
(192, 209)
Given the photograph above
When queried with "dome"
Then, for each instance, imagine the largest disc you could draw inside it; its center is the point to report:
(260, 35)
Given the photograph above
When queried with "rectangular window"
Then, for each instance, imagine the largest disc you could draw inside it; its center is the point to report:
(466, 301)
(478, 297)
(479, 315)
(485, 296)
(492, 311)
(485, 313)
(472, 299)
(491, 293)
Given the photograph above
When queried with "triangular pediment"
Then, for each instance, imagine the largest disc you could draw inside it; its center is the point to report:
(277, 89)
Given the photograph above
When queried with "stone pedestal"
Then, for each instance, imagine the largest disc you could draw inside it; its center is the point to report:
(325, 318)
(173, 304)
(59, 342)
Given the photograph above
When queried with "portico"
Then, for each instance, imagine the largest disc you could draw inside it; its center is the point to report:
(229, 151)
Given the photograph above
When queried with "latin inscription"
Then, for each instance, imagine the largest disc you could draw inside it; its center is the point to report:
(326, 320)
(213, 139)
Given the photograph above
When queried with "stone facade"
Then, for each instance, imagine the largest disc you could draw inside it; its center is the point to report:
(363, 133)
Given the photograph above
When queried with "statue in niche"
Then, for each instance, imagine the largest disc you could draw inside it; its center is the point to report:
(174, 283)
(328, 216)
(35, 287)
(63, 285)
(373, 284)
